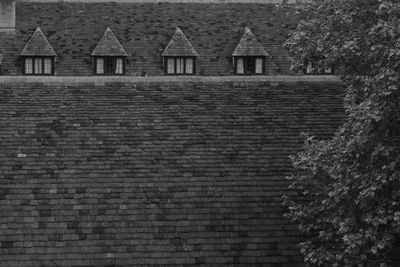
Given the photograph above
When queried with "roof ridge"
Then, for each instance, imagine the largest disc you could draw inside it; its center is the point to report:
(38, 45)
(179, 45)
(109, 45)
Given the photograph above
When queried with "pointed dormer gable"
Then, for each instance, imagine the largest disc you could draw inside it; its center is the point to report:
(179, 46)
(109, 46)
(38, 45)
(249, 46)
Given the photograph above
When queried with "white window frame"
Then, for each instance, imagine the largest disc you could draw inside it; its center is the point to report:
(118, 65)
(38, 65)
(179, 65)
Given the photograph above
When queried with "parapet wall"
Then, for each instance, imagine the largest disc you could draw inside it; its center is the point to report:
(165, 1)
(167, 79)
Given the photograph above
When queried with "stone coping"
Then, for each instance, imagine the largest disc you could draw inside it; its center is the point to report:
(99, 80)
(165, 1)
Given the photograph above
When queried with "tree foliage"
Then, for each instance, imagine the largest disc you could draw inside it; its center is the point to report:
(349, 186)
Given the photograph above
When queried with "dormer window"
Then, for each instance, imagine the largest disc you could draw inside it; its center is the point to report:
(110, 65)
(317, 67)
(249, 56)
(38, 55)
(180, 65)
(109, 55)
(179, 56)
(38, 65)
(249, 65)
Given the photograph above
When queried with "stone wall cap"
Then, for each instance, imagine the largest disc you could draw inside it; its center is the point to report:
(167, 79)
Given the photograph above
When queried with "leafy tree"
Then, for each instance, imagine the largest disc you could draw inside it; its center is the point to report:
(349, 186)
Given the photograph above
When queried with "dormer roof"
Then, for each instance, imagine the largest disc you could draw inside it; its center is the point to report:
(38, 45)
(249, 45)
(179, 45)
(109, 46)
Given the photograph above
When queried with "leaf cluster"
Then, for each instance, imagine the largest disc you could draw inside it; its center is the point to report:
(348, 200)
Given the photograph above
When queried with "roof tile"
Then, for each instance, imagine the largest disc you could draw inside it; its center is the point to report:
(179, 46)
(165, 174)
(249, 45)
(38, 45)
(145, 29)
(109, 46)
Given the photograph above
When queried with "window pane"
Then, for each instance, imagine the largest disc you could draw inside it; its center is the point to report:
(170, 65)
(180, 65)
(109, 65)
(119, 69)
(38, 65)
(239, 65)
(189, 65)
(100, 66)
(328, 70)
(47, 66)
(310, 67)
(259, 65)
(28, 65)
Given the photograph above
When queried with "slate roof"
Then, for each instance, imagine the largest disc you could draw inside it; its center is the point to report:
(109, 46)
(249, 46)
(154, 173)
(38, 45)
(179, 46)
(144, 30)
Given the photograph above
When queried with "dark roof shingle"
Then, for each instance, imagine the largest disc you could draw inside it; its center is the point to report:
(109, 46)
(38, 45)
(249, 46)
(145, 29)
(154, 173)
(179, 45)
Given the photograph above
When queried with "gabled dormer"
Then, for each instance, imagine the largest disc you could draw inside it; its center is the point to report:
(109, 55)
(38, 55)
(249, 56)
(179, 56)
